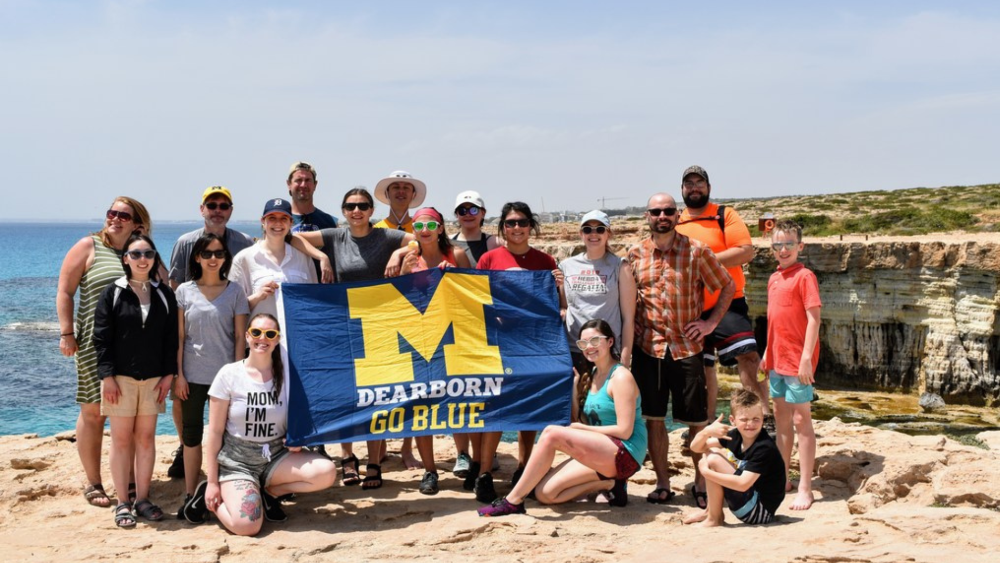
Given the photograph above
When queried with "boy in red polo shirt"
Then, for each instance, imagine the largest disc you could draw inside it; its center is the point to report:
(793, 306)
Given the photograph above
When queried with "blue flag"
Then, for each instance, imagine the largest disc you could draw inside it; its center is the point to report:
(436, 352)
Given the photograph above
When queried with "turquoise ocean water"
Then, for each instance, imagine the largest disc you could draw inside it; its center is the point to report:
(37, 383)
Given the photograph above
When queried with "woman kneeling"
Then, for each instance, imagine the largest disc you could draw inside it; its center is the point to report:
(605, 446)
(247, 462)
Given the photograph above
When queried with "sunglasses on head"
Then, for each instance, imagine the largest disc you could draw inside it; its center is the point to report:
(148, 254)
(208, 254)
(668, 211)
(123, 216)
(587, 229)
(270, 334)
(472, 210)
(511, 223)
(212, 206)
(590, 342)
(361, 206)
(786, 245)
(430, 225)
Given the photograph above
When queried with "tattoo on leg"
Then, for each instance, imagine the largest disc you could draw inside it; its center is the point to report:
(251, 507)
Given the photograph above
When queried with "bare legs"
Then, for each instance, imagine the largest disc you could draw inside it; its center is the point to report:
(712, 515)
(748, 365)
(793, 419)
(592, 453)
(133, 436)
(89, 440)
(659, 445)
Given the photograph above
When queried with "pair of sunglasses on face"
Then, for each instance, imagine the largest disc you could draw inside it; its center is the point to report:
(429, 225)
(668, 211)
(209, 254)
(353, 206)
(463, 211)
(212, 206)
(587, 229)
(511, 223)
(269, 334)
(148, 254)
(123, 216)
(591, 342)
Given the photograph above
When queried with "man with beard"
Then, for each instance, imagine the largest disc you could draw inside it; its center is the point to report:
(672, 273)
(302, 184)
(732, 342)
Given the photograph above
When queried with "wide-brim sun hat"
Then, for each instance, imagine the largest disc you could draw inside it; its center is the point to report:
(419, 188)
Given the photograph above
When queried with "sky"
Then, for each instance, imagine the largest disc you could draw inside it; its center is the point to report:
(564, 105)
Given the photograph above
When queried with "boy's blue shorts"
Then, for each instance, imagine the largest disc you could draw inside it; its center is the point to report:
(789, 388)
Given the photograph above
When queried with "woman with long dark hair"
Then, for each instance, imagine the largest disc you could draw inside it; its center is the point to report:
(606, 447)
(135, 335)
(212, 314)
(246, 460)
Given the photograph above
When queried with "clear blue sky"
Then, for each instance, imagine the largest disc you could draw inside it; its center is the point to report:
(554, 102)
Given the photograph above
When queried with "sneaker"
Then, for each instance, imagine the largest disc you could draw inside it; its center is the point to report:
(618, 495)
(429, 484)
(769, 425)
(176, 469)
(470, 478)
(180, 511)
(195, 510)
(272, 508)
(502, 507)
(462, 462)
(484, 488)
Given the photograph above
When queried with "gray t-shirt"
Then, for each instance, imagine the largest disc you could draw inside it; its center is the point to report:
(361, 259)
(235, 241)
(209, 329)
(592, 292)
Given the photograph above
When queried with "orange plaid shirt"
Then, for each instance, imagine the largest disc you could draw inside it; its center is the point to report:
(671, 287)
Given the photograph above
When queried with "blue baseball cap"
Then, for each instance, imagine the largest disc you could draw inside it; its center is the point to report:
(596, 215)
(276, 205)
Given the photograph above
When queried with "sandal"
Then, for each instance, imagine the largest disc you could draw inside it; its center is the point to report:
(124, 517)
(372, 481)
(700, 497)
(661, 495)
(349, 470)
(96, 496)
(148, 510)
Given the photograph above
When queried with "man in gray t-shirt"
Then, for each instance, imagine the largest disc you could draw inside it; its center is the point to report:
(216, 209)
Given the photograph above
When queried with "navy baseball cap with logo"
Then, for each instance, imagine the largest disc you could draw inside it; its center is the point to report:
(277, 205)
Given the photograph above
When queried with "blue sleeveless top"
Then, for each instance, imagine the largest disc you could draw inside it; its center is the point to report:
(599, 410)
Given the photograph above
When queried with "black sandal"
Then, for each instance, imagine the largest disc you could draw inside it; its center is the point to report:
(148, 510)
(124, 517)
(350, 470)
(372, 481)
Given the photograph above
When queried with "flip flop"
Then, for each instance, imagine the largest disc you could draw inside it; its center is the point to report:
(656, 497)
(96, 496)
(700, 498)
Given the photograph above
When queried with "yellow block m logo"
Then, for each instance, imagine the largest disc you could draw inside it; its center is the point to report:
(386, 313)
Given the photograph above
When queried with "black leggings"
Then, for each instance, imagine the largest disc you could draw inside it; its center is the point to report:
(193, 414)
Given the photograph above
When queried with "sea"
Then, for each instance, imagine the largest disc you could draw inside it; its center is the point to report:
(38, 383)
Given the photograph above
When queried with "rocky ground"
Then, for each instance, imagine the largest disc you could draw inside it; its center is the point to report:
(881, 496)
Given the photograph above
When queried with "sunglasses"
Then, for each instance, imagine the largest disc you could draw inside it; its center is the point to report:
(590, 342)
(587, 229)
(148, 254)
(787, 245)
(463, 211)
(270, 334)
(668, 211)
(511, 223)
(361, 206)
(430, 225)
(212, 206)
(208, 254)
(123, 216)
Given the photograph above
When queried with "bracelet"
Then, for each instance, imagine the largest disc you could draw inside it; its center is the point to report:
(66, 334)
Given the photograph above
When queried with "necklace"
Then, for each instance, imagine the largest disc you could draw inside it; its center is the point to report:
(143, 284)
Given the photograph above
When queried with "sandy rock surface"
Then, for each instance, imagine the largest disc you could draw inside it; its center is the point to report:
(881, 496)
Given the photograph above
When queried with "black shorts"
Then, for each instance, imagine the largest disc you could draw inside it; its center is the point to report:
(733, 337)
(683, 379)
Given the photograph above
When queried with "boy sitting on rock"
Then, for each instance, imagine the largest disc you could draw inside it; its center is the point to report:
(747, 471)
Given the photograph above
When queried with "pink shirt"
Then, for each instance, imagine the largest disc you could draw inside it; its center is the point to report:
(790, 293)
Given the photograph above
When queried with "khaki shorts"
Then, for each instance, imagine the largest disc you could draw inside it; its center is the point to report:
(136, 398)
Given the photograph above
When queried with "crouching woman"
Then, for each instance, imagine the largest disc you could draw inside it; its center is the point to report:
(247, 462)
(606, 446)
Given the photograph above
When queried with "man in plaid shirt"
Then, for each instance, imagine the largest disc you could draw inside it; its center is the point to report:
(671, 273)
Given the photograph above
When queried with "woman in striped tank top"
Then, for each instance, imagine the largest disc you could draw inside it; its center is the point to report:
(90, 265)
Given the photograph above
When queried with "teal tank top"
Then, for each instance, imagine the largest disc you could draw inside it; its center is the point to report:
(599, 410)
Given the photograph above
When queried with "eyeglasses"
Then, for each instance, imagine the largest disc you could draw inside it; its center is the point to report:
(270, 334)
(511, 223)
(430, 225)
(587, 229)
(786, 245)
(668, 211)
(148, 254)
(208, 254)
(472, 210)
(123, 216)
(590, 342)
(361, 206)
(212, 206)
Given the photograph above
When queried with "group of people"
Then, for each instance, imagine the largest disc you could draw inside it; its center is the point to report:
(647, 330)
